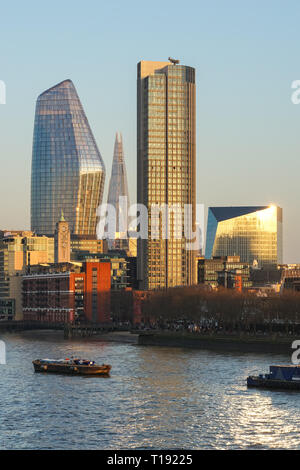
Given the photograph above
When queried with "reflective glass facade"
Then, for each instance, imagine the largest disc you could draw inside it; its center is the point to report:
(253, 233)
(118, 188)
(166, 145)
(67, 169)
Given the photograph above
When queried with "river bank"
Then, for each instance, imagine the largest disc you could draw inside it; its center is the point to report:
(214, 342)
(125, 337)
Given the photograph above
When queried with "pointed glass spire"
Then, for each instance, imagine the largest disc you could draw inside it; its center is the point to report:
(118, 187)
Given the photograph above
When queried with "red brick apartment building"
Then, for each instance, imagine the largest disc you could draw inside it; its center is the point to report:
(68, 292)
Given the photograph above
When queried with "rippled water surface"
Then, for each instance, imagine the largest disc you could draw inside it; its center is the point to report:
(156, 398)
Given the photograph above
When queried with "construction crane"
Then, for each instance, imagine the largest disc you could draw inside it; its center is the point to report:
(174, 61)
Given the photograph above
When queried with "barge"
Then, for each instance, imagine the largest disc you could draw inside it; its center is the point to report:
(71, 366)
(286, 377)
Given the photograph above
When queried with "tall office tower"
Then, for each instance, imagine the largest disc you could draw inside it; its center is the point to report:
(118, 189)
(166, 169)
(67, 169)
(253, 233)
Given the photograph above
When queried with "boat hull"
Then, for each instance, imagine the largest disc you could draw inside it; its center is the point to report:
(260, 382)
(72, 369)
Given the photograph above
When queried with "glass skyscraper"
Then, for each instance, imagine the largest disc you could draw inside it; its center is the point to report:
(253, 233)
(67, 169)
(118, 188)
(166, 167)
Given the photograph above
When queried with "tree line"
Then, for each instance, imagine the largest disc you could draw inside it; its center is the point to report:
(224, 309)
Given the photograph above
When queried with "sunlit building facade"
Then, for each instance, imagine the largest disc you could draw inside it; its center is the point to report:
(18, 251)
(84, 245)
(67, 292)
(118, 195)
(226, 271)
(67, 169)
(166, 160)
(253, 233)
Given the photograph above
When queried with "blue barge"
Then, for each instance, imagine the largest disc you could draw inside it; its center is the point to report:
(279, 377)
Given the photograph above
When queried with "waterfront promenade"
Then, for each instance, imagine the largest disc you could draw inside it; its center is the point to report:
(213, 339)
(238, 342)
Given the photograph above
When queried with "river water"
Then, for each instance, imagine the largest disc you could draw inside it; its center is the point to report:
(156, 398)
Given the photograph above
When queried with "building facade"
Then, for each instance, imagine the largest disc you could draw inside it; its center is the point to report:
(290, 277)
(253, 233)
(85, 245)
(225, 271)
(67, 292)
(18, 251)
(67, 169)
(166, 166)
(119, 266)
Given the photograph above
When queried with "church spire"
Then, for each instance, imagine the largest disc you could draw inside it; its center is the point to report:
(62, 217)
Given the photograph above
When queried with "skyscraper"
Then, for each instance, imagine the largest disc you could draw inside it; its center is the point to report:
(166, 165)
(253, 233)
(67, 169)
(118, 188)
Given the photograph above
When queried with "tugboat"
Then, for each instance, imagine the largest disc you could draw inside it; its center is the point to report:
(73, 366)
(279, 377)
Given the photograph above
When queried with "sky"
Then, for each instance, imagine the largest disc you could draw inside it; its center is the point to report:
(246, 55)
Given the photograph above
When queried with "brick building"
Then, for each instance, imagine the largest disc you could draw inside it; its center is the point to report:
(68, 292)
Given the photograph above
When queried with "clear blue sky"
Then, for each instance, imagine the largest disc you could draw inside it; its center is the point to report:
(246, 54)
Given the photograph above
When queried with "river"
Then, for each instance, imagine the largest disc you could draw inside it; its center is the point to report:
(156, 398)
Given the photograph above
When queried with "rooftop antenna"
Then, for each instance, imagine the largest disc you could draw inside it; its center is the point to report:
(62, 217)
(174, 61)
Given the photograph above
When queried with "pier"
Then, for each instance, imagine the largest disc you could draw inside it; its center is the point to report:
(14, 325)
(84, 330)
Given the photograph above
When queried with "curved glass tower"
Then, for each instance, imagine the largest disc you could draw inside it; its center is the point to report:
(67, 169)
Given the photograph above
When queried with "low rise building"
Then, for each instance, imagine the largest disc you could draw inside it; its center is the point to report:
(18, 250)
(84, 245)
(226, 271)
(290, 277)
(119, 266)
